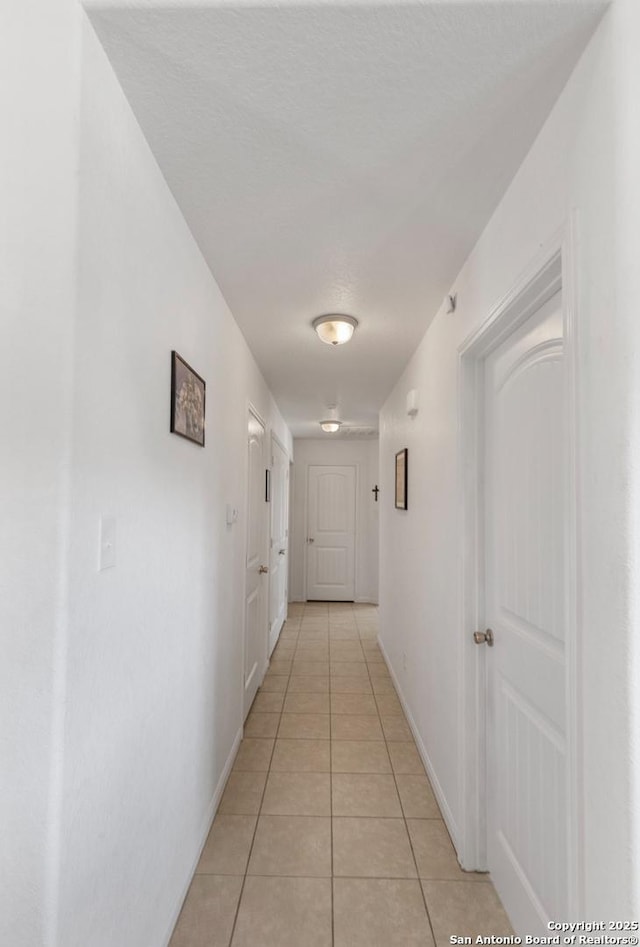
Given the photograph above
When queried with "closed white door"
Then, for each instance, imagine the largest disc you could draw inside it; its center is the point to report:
(525, 609)
(331, 529)
(256, 588)
(278, 567)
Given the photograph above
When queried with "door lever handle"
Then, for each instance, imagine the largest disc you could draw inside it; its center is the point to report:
(310, 540)
(282, 552)
(263, 569)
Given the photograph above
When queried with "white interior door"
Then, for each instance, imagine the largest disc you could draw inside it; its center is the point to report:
(331, 529)
(526, 512)
(255, 615)
(279, 564)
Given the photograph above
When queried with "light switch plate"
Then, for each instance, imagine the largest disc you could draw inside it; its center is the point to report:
(107, 556)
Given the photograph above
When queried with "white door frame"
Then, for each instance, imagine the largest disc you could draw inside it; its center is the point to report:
(276, 440)
(552, 270)
(251, 409)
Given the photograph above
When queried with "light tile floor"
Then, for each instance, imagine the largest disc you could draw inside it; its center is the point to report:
(328, 833)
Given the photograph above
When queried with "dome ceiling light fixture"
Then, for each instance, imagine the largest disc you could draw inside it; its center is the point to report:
(330, 426)
(335, 328)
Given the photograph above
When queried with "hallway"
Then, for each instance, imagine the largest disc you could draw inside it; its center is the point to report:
(328, 784)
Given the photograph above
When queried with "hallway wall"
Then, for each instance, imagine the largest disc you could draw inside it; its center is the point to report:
(580, 164)
(363, 454)
(125, 686)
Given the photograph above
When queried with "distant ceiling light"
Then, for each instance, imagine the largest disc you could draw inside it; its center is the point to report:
(331, 426)
(335, 329)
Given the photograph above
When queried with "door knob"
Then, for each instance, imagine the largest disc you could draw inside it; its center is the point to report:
(310, 540)
(484, 637)
(282, 552)
(263, 569)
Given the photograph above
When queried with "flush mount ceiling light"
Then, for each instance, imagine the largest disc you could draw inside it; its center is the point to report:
(335, 329)
(330, 426)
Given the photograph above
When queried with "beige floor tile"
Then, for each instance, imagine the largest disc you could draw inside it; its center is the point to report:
(466, 909)
(372, 848)
(383, 687)
(346, 651)
(370, 648)
(305, 727)
(379, 672)
(396, 728)
(362, 756)
(310, 668)
(307, 704)
(376, 912)
(435, 855)
(416, 796)
(405, 758)
(261, 725)
(349, 669)
(353, 704)
(365, 794)
(355, 727)
(308, 685)
(312, 653)
(254, 756)
(388, 705)
(297, 794)
(242, 794)
(313, 637)
(350, 685)
(226, 851)
(292, 845)
(368, 635)
(283, 652)
(267, 703)
(284, 912)
(281, 666)
(274, 683)
(301, 756)
(208, 913)
(375, 658)
(343, 634)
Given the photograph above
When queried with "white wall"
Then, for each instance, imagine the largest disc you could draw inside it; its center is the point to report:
(39, 62)
(583, 162)
(139, 667)
(363, 454)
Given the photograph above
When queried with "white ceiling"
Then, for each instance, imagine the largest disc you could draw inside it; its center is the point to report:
(340, 157)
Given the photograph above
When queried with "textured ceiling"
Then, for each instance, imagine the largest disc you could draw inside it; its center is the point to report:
(340, 157)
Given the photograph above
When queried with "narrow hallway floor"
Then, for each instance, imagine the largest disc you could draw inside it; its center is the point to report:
(328, 833)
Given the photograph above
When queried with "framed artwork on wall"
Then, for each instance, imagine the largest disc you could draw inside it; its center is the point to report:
(402, 477)
(188, 391)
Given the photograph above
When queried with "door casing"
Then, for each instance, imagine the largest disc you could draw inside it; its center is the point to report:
(553, 269)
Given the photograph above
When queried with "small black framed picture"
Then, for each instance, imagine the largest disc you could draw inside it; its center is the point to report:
(188, 395)
(267, 485)
(402, 478)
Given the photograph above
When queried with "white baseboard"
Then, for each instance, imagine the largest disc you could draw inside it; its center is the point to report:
(273, 637)
(447, 815)
(365, 600)
(207, 822)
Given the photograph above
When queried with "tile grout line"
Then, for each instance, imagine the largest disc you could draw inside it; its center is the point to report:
(255, 829)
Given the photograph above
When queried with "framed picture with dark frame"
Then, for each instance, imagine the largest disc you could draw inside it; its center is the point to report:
(188, 393)
(402, 478)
